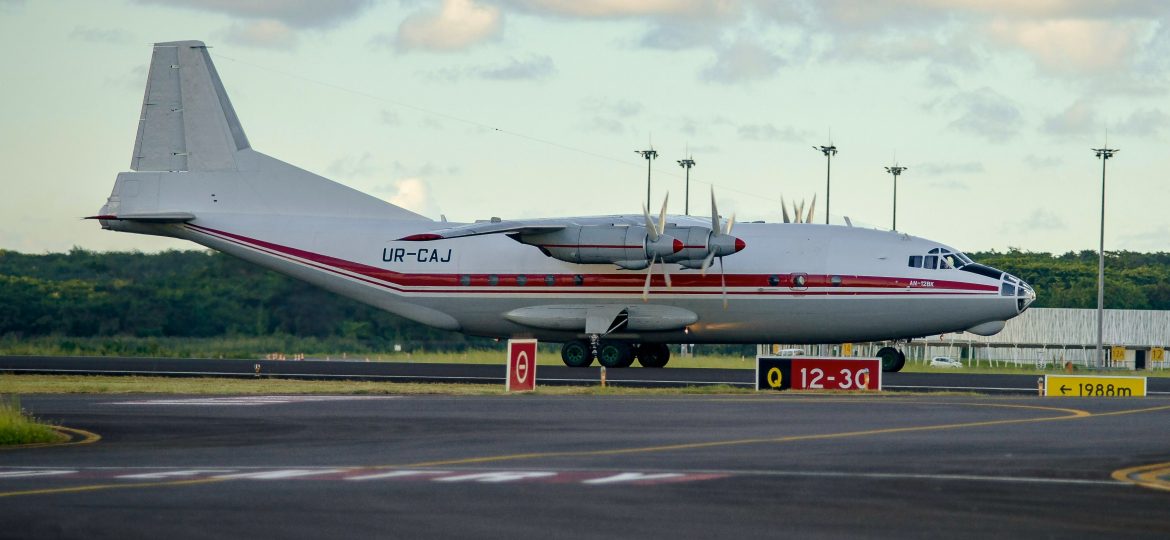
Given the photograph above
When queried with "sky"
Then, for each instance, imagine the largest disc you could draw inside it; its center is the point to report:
(535, 108)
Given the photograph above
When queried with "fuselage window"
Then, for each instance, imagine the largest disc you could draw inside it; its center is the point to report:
(493, 279)
(550, 280)
(835, 280)
(916, 261)
(522, 280)
(578, 279)
(774, 281)
(1007, 289)
(799, 281)
(931, 262)
(465, 280)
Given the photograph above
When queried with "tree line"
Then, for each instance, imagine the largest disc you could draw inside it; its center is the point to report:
(208, 294)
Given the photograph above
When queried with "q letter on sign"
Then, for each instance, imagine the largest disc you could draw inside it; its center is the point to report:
(521, 366)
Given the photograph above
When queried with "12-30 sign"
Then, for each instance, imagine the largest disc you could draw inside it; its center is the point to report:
(818, 373)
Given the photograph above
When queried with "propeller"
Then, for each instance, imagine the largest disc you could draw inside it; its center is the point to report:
(660, 245)
(720, 244)
(798, 213)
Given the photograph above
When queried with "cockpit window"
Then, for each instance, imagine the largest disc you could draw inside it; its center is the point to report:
(939, 259)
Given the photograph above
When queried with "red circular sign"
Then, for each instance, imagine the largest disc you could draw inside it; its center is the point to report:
(522, 367)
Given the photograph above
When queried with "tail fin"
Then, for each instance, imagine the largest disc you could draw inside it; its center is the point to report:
(187, 123)
(190, 145)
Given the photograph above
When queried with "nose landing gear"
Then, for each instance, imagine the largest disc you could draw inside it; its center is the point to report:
(892, 359)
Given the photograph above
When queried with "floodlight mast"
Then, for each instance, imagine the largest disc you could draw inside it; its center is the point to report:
(896, 171)
(650, 155)
(1103, 154)
(829, 152)
(687, 164)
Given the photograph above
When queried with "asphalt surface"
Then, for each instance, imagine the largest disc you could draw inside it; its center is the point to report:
(494, 374)
(593, 467)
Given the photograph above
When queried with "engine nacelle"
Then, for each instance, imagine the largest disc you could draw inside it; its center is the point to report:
(608, 244)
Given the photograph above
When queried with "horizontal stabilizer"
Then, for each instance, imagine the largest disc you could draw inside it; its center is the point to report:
(149, 217)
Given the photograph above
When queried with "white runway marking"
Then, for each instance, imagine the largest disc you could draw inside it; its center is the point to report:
(247, 400)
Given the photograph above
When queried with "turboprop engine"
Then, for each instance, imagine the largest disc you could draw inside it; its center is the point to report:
(630, 247)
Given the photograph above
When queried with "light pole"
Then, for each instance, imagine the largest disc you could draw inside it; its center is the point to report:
(829, 152)
(896, 171)
(650, 154)
(687, 164)
(1103, 154)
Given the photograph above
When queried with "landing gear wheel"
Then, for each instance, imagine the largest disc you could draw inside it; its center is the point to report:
(576, 354)
(893, 360)
(653, 355)
(615, 354)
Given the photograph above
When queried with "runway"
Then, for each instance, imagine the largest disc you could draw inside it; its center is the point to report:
(494, 374)
(593, 466)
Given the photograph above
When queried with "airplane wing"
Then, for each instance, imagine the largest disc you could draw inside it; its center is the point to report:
(509, 227)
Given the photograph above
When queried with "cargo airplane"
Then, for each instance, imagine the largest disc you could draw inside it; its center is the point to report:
(610, 288)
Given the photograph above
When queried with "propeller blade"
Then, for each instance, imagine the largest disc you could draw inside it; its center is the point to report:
(665, 273)
(646, 287)
(707, 263)
(662, 215)
(800, 213)
(651, 231)
(730, 222)
(811, 207)
(723, 282)
(714, 213)
(784, 210)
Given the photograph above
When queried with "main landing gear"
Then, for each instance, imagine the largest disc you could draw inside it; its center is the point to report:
(615, 354)
(892, 359)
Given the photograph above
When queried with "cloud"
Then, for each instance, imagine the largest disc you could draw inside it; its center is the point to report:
(938, 169)
(534, 68)
(1153, 240)
(458, 24)
(1078, 119)
(412, 194)
(265, 33)
(11, 6)
(677, 35)
(1071, 45)
(100, 35)
(614, 107)
(353, 166)
(293, 13)
(389, 118)
(612, 9)
(1143, 122)
(743, 60)
(1039, 220)
(986, 113)
(768, 132)
(1041, 162)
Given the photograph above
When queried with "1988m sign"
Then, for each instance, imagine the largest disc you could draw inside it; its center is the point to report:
(818, 373)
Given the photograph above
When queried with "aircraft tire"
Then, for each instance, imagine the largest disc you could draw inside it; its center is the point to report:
(576, 354)
(653, 355)
(892, 359)
(615, 354)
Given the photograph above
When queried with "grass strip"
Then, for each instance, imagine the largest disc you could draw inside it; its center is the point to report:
(18, 427)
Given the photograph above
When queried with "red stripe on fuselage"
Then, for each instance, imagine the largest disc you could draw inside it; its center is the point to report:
(600, 283)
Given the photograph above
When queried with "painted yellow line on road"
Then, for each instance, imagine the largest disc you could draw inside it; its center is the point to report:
(76, 437)
(100, 487)
(1149, 476)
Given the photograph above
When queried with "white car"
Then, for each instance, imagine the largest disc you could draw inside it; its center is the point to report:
(946, 362)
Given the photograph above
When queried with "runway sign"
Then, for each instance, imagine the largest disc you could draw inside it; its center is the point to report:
(521, 366)
(818, 373)
(1094, 386)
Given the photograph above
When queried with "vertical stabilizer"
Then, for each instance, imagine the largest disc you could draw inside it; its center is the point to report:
(187, 122)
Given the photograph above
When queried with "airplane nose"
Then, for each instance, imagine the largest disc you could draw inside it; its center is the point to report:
(1027, 295)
